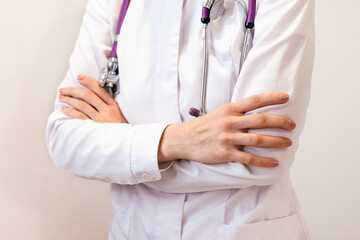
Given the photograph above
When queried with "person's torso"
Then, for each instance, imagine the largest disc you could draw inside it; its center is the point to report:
(160, 57)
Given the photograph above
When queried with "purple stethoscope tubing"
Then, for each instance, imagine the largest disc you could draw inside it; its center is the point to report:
(251, 13)
(123, 10)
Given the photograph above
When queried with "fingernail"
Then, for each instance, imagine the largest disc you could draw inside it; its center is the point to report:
(80, 77)
(287, 142)
(284, 96)
(61, 90)
(292, 125)
(274, 163)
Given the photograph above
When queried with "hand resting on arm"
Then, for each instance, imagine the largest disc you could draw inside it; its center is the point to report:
(219, 135)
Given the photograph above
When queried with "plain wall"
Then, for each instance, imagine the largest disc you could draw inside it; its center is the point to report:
(39, 202)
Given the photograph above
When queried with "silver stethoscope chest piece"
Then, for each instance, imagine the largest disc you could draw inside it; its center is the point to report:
(109, 77)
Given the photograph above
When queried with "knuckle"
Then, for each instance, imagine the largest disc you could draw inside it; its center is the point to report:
(227, 108)
(223, 138)
(235, 123)
(249, 159)
(87, 94)
(87, 82)
(223, 121)
(82, 105)
(256, 140)
(261, 119)
(84, 79)
(93, 83)
(240, 124)
(243, 122)
(70, 89)
(265, 162)
(96, 87)
(226, 124)
(65, 108)
(255, 100)
(82, 117)
(285, 121)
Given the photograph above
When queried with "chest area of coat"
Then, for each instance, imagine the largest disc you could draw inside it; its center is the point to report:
(161, 53)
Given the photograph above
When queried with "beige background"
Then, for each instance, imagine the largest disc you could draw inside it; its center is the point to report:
(39, 202)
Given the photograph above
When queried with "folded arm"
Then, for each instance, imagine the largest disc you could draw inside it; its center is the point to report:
(111, 152)
(281, 60)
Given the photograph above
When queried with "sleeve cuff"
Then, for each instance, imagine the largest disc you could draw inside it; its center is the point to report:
(144, 152)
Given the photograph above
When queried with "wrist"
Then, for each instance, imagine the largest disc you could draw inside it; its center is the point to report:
(164, 152)
(171, 146)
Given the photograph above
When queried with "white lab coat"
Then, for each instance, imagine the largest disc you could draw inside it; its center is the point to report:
(160, 57)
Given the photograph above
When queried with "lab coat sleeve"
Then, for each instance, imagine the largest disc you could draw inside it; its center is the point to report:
(281, 60)
(111, 152)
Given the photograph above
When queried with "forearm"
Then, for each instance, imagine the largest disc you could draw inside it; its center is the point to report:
(111, 152)
(281, 60)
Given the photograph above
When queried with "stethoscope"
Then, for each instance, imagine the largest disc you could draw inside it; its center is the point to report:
(109, 78)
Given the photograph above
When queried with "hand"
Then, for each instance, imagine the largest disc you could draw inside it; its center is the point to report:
(90, 103)
(219, 135)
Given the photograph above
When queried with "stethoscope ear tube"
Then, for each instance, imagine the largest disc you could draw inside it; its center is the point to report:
(204, 71)
(246, 45)
(205, 19)
(194, 111)
(249, 24)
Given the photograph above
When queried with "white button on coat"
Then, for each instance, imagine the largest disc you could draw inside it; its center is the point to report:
(146, 177)
(160, 57)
